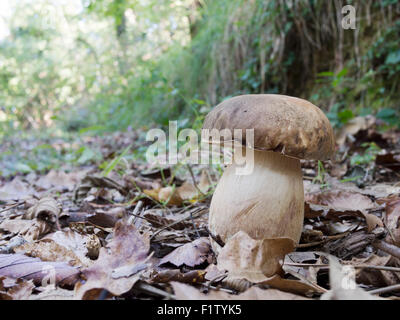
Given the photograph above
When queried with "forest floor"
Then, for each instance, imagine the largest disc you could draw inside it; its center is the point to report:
(98, 223)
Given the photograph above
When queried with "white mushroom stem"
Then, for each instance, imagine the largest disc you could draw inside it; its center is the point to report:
(267, 203)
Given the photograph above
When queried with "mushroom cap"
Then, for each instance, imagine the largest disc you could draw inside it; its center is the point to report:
(289, 125)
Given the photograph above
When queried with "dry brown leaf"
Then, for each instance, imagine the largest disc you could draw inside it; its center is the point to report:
(107, 218)
(186, 292)
(38, 229)
(377, 278)
(59, 180)
(188, 191)
(46, 209)
(254, 260)
(191, 254)
(168, 196)
(341, 200)
(392, 218)
(300, 286)
(166, 276)
(341, 204)
(128, 248)
(15, 289)
(49, 250)
(20, 266)
(16, 226)
(15, 190)
(177, 195)
(83, 245)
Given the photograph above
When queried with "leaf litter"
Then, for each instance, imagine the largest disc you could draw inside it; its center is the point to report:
(130, 231)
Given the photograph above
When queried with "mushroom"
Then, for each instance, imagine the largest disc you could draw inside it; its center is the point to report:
(269, 202)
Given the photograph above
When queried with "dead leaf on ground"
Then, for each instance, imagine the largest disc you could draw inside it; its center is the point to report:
(15, 289)
(168, 195)
(46, 209)
(128, 248)
(83, 245)
(341, 200)
(59, 180)
(392, 218)
(16, 226)
(20, 266)
(166, 276)
(191, 254)
(49, 250)
(16, 190)
(254, 260)
(374, 277)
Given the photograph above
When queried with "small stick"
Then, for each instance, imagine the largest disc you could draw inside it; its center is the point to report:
(394, 287)
(313, 244)
(135, 212)
(388, 248)
(360, 266)
(12, 206)
(194, 180)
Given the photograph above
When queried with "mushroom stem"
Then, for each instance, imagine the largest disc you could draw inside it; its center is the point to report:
(267, 203)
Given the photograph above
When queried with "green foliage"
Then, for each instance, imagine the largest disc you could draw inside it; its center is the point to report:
(95, 66)
(369, 155)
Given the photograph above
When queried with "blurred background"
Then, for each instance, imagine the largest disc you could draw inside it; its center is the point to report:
(96, 66)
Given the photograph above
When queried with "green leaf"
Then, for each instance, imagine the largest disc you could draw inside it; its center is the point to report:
(22, 167)
(326, 74)
(386, 113)
(345, 115)
(342, 73)
(393, 58)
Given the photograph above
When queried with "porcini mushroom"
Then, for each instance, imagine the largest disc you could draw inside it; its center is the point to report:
(269, 202)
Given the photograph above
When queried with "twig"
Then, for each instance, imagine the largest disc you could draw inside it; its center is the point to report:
(12, 206)
(135, 212)
(326, 239)
(394, 287)
(360, 266)
(388, 248)
(194, 180)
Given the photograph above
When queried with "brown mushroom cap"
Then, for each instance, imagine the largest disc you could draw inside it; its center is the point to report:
(292, 126)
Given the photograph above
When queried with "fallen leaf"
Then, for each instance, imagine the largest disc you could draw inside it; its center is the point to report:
(254, 260)
(191, 254)
(166, 276)
(59, 180)
(20, 266)
(392, 217)
(341, 200)
(127, 248)
(46, 209)
(168, 196)
(49, 250)
(15, 190)
(16, 289)
(83, 245)
(16, 226)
